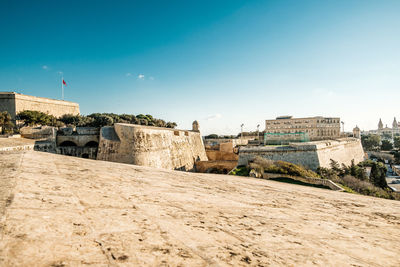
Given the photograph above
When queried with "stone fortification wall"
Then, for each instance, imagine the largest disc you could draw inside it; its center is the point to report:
(15, 103)
(220, 155)
(305, 156)
(151, 146)
(235, 142)
(342, 150)
(219, 166)
(40, 132)
(311, 154)
(7, 103)
(79, 136)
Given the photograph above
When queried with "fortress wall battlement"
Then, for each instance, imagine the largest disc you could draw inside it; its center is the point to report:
(151, 146)
(14, 103)
(311, 154)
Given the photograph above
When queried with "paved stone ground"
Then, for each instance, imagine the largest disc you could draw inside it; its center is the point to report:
(66, 211)
(12, 142)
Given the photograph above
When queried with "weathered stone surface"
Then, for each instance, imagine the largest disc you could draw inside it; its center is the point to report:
(9, 144)
(311, 154)
(39, 132)
(211, 166)
(220, 155)
(151, 146)
(66, 211)
(14, 103)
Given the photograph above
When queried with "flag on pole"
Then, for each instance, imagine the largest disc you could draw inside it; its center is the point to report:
(64, 83)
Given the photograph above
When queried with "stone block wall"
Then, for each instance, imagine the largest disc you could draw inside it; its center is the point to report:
(219, 155)
(342, 150)
(310, 155)
(15, 103)
(151, 146)
(306, 158)
(220, 166)
(41, 132)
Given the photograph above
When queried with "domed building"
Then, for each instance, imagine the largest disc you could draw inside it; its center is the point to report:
(357, 132)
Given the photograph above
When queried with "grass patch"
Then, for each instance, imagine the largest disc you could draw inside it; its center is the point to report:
(292, 181)
(347, 189)
(241, 171)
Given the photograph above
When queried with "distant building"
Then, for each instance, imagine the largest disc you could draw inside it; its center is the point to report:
(315, 128)
(386, 132)
(357, 132)
(14, 103)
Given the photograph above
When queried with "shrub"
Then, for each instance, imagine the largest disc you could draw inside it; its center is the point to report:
(366, 188)
(92, 120)
(101, 120)
(240, 171)
(33, 117)
(281, 167)
(6, 124)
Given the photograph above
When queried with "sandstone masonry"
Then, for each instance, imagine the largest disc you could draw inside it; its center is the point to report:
(151, 146)
(311, 154)
(14, 103)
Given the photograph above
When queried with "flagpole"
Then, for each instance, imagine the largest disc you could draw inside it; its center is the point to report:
(62, 87)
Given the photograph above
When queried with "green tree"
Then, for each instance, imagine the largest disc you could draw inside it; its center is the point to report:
(101, 120)
(33, 117)
(378, 175)
(371, 142)
(335, 167)
(171, 125)
(396, 142)
(6, 123)
(386, 145)
(211, 136)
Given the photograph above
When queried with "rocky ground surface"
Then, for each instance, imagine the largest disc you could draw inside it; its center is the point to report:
(13, 142)
(65, 211)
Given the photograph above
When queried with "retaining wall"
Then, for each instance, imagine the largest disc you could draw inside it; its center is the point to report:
(311, 154)
(15, 103)
(151, 146)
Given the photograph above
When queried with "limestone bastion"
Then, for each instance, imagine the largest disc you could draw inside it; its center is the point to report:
(151, 146)
(310, 154)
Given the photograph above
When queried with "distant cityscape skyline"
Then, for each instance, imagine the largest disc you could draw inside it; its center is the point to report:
(221, 63)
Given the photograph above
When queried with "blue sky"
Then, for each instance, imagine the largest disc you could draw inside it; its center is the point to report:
(221, 62)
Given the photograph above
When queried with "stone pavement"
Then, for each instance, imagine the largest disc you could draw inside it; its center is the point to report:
(65, 211)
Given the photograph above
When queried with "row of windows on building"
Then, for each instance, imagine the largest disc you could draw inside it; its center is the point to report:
(328, 121)
(322, 132)
(302, 126)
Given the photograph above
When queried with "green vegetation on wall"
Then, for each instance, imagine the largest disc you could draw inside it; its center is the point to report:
(30, 118)
(354, 177)
(371, 142)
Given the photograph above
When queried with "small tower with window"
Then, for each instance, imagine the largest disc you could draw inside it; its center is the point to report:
(380, 124)
(357, 132)
(195, 126)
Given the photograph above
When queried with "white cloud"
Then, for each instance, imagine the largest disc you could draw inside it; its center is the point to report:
(213, 117)
(128, 74)
(141, 77)
(322, 92)
(45, 67)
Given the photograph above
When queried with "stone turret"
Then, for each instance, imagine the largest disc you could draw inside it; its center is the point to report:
(196, 126)
(357, 132)
(395, 125)
(380, 125)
